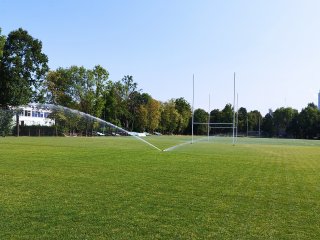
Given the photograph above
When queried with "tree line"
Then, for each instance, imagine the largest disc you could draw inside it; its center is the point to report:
(25, 77)
(283, 122)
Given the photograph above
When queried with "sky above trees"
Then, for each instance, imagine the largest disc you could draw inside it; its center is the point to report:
(273, 46)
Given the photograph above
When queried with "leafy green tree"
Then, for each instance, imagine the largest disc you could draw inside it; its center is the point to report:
(129, 86)
(78, 88)
(22, 70)
(142, 118)
(147, 116)
(242, 120)
(131, 100)
(200, 116)
(132, 106)
(227, 114)
(6, 121)
(122, 100)
(267, 125)
(5, 124)
(169, 117)
(90, 90)
(309, 121)
(60, 88)
(72, 120)
(61, 125)
(2, 41)
(254, 120)
(81, 89)
(184, 109)
(215, 116)
(294, 129)
(113, 107)
(154, 114)
(282, 118)
(145, 98)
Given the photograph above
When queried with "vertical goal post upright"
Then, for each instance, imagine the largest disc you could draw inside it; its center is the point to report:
(192, 107)
(237, 118)
(209, 119)
(234, 103)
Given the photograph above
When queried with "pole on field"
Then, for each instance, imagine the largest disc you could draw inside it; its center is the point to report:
(234, 110)
(209, 120)
(192, 107)
(237, 120)
(247, 126)
(259, 128)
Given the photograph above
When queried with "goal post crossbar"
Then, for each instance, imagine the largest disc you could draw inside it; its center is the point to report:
(199, 123)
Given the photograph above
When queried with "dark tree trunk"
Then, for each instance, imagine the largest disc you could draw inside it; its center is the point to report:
(17, 124)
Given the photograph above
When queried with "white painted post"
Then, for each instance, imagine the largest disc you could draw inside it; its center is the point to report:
(192, 107)
(234, 111)
(209, 120)
(237, 120)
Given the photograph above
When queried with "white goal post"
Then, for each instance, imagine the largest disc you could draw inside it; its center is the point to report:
(233, 125)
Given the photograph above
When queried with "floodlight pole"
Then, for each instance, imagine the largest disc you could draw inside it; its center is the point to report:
(209, 120)
(192, 107)
(234, 112)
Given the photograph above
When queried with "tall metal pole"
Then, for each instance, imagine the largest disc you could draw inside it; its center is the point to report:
(237, 120)
(234, 109)
(192, 106)
(247, 126)
(259, 127)
(209, 120)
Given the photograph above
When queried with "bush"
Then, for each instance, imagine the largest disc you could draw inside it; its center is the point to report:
(6, 122)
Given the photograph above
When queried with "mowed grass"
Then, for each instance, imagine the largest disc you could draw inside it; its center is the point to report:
(120, 188)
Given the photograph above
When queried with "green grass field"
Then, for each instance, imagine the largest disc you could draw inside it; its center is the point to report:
(120, 188)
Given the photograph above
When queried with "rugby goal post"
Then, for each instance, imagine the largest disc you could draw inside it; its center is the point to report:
(232, 125)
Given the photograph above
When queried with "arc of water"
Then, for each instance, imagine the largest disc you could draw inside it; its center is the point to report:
(182, 144)
(52, 106)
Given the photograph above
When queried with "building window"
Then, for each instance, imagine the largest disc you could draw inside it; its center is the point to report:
(27, 113)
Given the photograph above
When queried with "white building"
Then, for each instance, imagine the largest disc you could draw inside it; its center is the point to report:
(31, 115)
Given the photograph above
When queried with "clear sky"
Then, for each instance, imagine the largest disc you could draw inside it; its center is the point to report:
(272, 45)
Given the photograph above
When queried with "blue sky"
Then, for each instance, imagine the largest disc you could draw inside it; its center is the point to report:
(272, 45)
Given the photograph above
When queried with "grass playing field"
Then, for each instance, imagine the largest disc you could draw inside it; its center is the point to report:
(120, 188)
